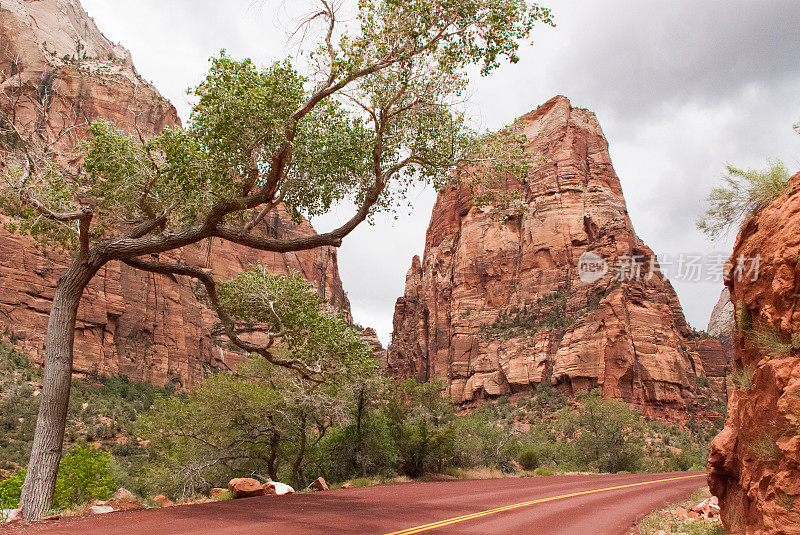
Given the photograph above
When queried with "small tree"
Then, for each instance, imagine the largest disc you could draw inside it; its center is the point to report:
(605, 435)
(744, 193)
(265, 416)
(373, 113)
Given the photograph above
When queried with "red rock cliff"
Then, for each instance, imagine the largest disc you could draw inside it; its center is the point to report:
(497, 306)
(755, 461)
(58, 70)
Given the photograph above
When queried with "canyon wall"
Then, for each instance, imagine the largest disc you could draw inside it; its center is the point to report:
(498, 303)
(58, 71)
(754, 465)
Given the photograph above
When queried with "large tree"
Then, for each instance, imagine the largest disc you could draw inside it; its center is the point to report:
(374, 109)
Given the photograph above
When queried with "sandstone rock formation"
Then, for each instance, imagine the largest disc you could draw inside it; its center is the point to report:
(371, 337)
(722, 326)
(722, 323)
(58, 70)
(497, 304)
(245, 487)
(755, 461)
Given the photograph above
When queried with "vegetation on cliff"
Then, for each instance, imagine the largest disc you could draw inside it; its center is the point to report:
(743, 193)
(264, 421)
(753, 461)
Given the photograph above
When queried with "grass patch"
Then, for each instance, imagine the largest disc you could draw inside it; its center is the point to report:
(772, 341)
(742, 378)
(223, 496)
(785, 500)
(764, 447)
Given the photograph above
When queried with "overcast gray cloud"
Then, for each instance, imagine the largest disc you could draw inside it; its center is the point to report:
(680, 88)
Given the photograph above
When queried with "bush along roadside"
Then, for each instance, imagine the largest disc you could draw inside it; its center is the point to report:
(263, 423)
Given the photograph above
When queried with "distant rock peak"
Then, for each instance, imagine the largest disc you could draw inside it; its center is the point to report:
(495, 307)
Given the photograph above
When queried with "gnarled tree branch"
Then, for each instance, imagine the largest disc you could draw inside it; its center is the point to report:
(229, 325)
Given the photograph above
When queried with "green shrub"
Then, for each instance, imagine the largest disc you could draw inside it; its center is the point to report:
(224, 496)
(11, 489)
(83, 475)
(605, 435)
(543, 472)
(358, 450)
(744, 193)
(529, 458)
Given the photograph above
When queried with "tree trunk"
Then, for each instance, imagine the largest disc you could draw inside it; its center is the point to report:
(297, 467)
(40, 480)
(272, 464)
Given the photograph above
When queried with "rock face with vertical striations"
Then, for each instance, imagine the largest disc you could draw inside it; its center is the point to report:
(497, 305)
(754, 463)
(722, 326)
(57, 70)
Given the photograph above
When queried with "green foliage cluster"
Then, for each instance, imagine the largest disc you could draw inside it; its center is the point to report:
(289, 308)
(18, 407)
(84, 475)
(266, 422)
(744, 193)
(103, 411)
(549, 312)
(10, 489)
(606, 435)
(375, 108)
(381, 429)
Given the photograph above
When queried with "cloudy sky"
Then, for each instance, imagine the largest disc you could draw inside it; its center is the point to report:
(680, 88)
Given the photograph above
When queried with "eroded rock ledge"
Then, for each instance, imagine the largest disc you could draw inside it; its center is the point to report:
(754, 466)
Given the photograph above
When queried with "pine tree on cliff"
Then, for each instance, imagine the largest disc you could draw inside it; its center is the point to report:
(373, 113)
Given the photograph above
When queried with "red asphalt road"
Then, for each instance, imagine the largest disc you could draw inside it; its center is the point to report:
(390, 508)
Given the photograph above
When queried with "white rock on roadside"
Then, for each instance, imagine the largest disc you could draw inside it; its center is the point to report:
(10, 515)
(101, 509)
(279, 488)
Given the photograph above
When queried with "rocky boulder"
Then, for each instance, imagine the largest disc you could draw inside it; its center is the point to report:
(245, 487)
(163, 501)
(277, 488)
(754, 463)
(318, 484)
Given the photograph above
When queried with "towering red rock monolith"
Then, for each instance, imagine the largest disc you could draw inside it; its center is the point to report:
(57, 71)
(754, 465)
(498, 303)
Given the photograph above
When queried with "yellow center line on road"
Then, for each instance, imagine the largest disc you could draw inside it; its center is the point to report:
(442, 523)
